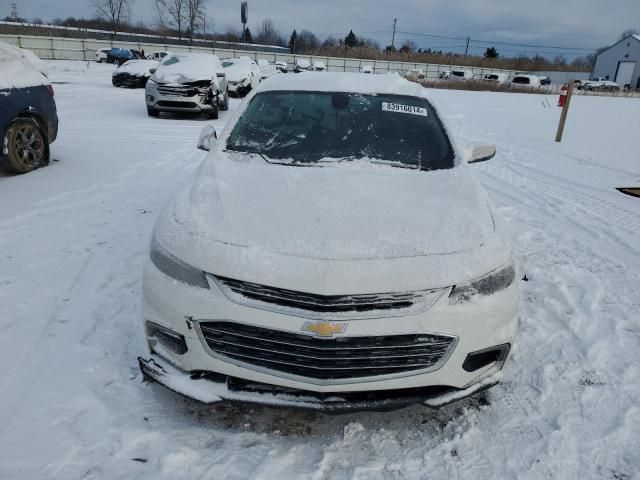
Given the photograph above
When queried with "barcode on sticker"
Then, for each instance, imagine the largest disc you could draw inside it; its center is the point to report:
(400, 108)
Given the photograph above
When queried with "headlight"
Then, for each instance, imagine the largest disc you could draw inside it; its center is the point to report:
(492, 283)
(176, 268)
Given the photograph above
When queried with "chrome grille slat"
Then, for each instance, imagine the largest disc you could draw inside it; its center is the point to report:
(327, 304)
(337, 358)
(315, 357)
(426, 344)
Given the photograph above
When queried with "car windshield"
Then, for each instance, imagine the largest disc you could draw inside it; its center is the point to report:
(309, 127)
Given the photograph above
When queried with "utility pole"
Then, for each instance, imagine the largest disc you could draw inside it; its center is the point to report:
(393, 38)
(466, 50)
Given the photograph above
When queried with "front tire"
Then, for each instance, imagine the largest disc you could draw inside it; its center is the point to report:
(28, 146)
(213, 114)
(152, 112)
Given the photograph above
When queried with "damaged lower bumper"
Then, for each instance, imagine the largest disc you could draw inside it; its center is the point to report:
(211, 388)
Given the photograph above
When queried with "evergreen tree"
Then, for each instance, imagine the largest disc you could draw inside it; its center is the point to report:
(292, 41)
(491, 53)
(351, 40)
(248, 38)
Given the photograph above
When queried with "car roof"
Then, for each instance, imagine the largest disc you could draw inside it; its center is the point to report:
(390, 83)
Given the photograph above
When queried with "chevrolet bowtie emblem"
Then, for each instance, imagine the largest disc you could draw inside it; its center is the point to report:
(324, 329)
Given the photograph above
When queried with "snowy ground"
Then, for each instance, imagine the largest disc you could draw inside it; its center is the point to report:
(73, 237)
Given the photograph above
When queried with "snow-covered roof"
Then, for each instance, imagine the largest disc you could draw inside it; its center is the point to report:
(637, 37)
(20, 68)
(390, 83)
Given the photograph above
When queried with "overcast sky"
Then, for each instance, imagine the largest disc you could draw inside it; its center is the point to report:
(564, 23)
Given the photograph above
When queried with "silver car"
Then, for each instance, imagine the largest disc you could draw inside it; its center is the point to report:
(188, 82)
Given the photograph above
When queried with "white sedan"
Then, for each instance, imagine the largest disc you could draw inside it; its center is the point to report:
(334, 252)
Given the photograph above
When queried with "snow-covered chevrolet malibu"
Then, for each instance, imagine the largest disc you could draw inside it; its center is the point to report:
(334, 251)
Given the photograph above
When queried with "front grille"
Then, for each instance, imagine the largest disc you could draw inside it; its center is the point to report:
(327, 306)
(326, 359)
(170, 104)
(178, 90)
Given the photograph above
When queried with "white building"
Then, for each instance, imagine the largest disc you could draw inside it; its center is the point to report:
(620, 62)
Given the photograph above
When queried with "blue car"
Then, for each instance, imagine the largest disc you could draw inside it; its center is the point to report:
(28, 115)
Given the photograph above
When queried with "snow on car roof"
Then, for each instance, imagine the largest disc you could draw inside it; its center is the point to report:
(20, 68)
(390, 83)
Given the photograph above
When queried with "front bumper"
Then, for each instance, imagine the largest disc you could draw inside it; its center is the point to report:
(210, 389)
(483, 323)
(130, 81)
(174, 103)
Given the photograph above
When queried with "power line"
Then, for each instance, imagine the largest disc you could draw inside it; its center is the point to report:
(497, 42)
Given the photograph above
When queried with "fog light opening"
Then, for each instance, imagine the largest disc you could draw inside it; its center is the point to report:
(482, 358)
(169, 339)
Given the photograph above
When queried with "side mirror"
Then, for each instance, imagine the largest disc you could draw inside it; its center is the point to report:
(482, 153)
(207, 139)
(152, 70)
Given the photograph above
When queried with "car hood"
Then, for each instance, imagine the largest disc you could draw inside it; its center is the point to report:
(247, 219)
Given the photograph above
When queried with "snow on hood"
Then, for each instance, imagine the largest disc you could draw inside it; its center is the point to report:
(20, 68)
(277, 224)
(239, 70)
(180, 68)
(137, 67)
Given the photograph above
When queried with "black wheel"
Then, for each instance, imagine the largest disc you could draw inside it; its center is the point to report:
(213, 114)
(27, 145)
(152, 112)
(225, 103)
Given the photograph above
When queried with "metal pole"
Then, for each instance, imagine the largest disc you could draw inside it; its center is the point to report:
(393, 38)
(565, 111)
(466, 50)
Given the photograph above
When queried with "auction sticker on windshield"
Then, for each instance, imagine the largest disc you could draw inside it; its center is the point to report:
(398, 107)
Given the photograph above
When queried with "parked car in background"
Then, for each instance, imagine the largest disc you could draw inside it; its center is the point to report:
(600, 84)
(157, 56)
(458, 75)
(526, 80)
(267, 69)
(267, 282)
(302, 65)
(499, 78)
(545, 81)
(366, 69)
(319, 66)
(282, 66)
(121, 55)
(101, 54)
(188, 82)
(243, 75)
(28, 114)
(414, 75)
(133, 74)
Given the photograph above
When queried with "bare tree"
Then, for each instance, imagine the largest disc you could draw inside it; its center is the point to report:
(194, 15)
(172, 13)
(268, 34)
(116, 12)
